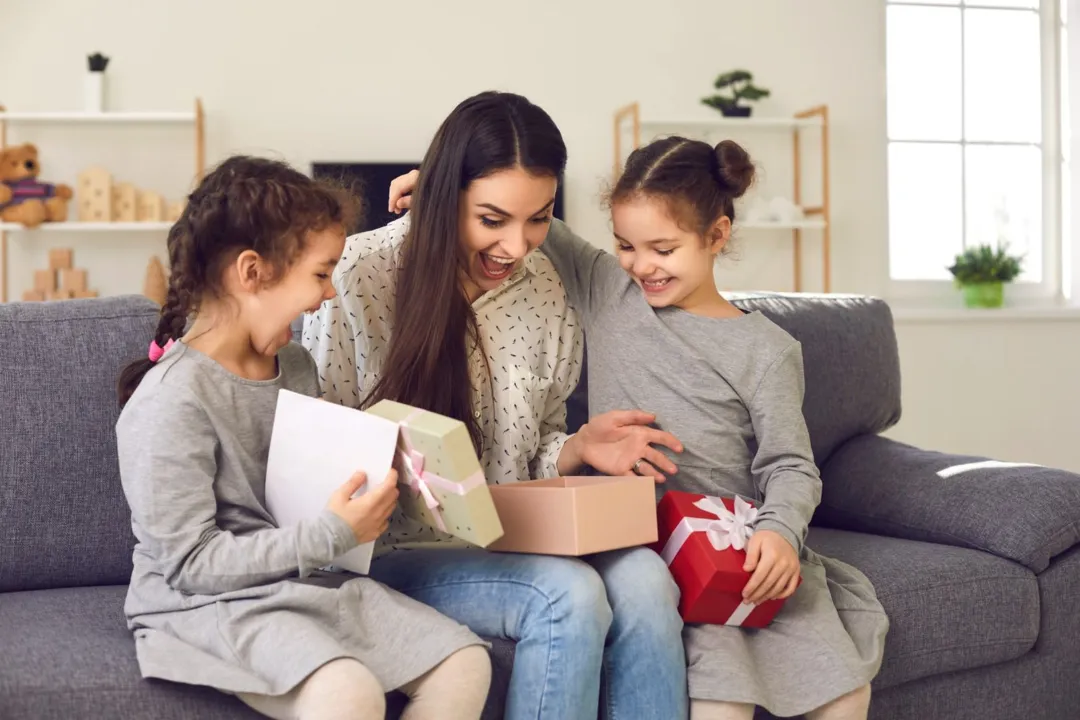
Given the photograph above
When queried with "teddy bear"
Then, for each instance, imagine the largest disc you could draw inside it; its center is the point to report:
(23, 198)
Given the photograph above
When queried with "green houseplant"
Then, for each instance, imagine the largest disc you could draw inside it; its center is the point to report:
(740, 86)
(982, 272)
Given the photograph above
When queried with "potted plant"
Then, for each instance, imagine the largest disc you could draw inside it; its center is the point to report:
(982, 271)
(740, 86)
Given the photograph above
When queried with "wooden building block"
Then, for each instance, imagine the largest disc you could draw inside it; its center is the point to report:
(61, 295)
(73, 279)
(175, 210)
(44, 281)
(95, 195)
(151, 207)
(86, 293)
(125, 201)
(33, 296)
(155, 284)
(60, 259)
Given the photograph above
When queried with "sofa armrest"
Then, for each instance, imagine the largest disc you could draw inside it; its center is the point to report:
(1025, 513)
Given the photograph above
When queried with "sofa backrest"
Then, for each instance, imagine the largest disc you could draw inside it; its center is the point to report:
(850, 358)
(851, 362)
(63, 517)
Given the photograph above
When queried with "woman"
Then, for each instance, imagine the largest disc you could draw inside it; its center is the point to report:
(450, 310)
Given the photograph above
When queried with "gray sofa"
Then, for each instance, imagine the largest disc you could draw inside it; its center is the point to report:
(978, 570)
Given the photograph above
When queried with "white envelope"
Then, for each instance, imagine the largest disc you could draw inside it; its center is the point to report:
(315, 447)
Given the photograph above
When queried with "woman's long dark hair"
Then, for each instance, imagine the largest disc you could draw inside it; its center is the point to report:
(427, 363)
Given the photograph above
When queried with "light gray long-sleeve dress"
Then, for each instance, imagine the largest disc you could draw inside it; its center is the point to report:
(219, 595)
(731, 391)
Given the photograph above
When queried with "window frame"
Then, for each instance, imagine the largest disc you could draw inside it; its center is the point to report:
(1059, 278)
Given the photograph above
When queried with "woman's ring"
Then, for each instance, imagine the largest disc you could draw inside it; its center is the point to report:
(635, 467)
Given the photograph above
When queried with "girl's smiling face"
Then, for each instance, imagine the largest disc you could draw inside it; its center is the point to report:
(672, 265)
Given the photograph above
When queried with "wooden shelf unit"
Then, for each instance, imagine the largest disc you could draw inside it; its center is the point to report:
(811, 119)
(195, 117)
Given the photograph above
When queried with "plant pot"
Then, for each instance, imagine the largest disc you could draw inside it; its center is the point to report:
(737, 111)
(984, 295)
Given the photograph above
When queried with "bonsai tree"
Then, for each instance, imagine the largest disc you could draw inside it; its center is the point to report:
(982, 271)
(740, 85)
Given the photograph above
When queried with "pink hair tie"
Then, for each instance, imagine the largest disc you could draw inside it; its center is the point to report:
(156, 351)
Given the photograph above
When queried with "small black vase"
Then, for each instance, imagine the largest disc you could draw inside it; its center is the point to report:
(737, 111)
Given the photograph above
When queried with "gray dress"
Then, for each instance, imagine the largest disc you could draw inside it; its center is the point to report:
(219, 595)
(731, 390)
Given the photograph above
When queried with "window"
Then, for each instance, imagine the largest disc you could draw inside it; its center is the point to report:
(974, 134)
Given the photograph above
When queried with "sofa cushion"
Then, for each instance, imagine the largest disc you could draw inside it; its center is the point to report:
(69, 654)
(851, 361)
(1028, 514)
(949, 608)
(63, 517)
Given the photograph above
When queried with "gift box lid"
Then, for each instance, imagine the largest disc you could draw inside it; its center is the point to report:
(723, 569)
(444, 442)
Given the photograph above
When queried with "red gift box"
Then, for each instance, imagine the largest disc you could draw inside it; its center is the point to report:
(703, 540)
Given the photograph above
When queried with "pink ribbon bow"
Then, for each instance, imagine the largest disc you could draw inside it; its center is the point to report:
(413, 463)
(420, 481)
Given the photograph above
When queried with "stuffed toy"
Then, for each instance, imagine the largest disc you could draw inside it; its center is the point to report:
(23, 198)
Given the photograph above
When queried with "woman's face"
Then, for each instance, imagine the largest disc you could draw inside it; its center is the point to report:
(504, 217)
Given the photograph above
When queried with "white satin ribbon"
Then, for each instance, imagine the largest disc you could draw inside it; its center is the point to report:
(725, 529)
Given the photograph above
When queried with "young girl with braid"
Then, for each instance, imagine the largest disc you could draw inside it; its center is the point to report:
(220, 596)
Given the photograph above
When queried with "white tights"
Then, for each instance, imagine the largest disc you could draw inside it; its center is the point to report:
(853, 706)
(344, 689)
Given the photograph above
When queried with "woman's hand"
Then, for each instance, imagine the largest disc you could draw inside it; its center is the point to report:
(401, 191)
(369, 514)
(774, 565)
(621, 442)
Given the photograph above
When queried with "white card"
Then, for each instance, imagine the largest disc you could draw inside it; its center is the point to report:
(316, 446)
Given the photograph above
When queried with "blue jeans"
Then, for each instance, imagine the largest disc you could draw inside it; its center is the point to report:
(614, 612)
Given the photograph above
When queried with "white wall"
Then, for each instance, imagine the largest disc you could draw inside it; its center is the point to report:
(362, 80)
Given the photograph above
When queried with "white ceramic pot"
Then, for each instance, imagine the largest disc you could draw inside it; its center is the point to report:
(94, 92)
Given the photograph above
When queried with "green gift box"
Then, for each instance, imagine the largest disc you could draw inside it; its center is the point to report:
(444, 485)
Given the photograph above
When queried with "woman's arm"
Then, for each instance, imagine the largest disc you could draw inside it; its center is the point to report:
(783, 467)
(167, 450)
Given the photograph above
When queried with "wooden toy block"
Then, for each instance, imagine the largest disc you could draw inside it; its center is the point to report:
(175, 210)
(86, 293)
(61, 295)
(60, 259)
(73, 279)
(33, 296)
(155, 286)
(151, 207)
(44, 281)
(95, 195)
(124, 203)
